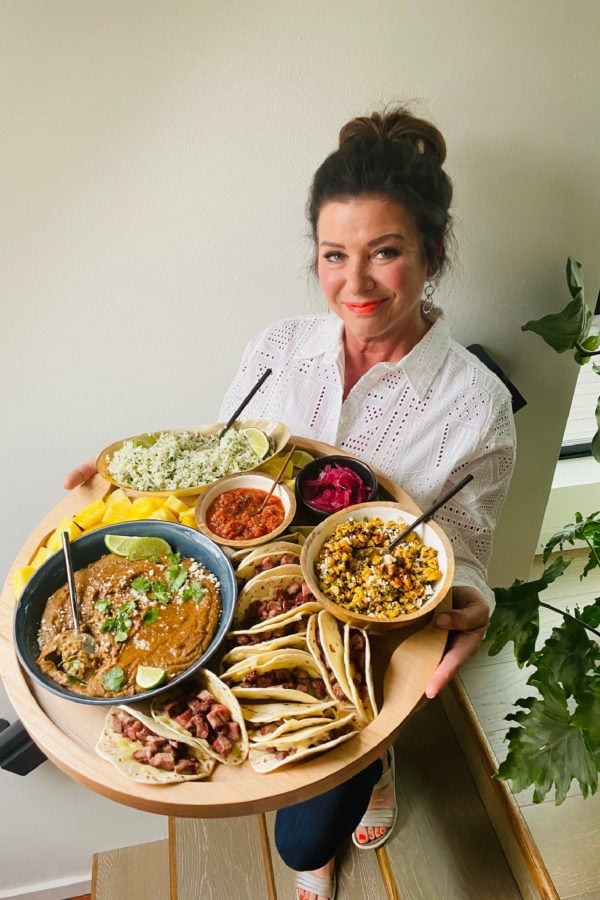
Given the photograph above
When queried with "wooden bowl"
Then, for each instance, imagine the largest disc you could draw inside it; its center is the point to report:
(256, 480)
(277, 433)
(429, 532)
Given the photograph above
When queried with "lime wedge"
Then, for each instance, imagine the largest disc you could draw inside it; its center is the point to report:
(257, 440)
(136, 547)
(148, 677)
(301, 458)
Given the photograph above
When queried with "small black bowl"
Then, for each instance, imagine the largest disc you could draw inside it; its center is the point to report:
(310, 514)
(89, 547)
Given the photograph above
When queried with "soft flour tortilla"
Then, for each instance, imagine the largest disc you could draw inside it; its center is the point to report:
(326, 643)
(263, 663)
(118, 750)
(247, 568)
(301, 744)
(295, 538)
(260, 713)
(296, 641)
(360, 677)
(263, 588)
(204, 679)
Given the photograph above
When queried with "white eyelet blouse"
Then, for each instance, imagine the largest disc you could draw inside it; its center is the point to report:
(424, 421)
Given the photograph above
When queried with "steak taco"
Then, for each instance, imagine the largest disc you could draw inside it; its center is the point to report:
(326, 643)
(272, 596)
(266, 558)
(296, 746)
(204, 712)
(277, 675)
(357, 660)
(142, 751)
(243, 651)
(258, 713)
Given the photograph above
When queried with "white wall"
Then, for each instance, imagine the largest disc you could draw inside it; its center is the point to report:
(155, 163)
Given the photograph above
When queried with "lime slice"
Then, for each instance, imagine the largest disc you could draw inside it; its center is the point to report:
(148, 677)
(301, 458)
(136, 547)
(258, 441)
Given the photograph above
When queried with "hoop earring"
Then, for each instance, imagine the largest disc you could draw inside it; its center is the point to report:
(427, 302)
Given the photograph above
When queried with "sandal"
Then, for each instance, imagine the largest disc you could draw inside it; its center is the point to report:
(317, 884)
(379, 818)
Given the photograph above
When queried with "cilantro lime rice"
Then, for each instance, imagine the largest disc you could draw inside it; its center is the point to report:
(181, 459)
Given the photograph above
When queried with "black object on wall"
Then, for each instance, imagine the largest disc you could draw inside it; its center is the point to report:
(518, 400)
(18, 753)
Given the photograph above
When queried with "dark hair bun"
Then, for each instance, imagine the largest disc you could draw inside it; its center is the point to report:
(399, 157)
(395, 126)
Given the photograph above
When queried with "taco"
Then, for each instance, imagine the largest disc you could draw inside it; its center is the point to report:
(272, 597)
(258, 713)
(204, 711)
(357, 661)
(326, 643)
(296, 746)
(266, 558)
(277, 675)
(243, 651)
(142, 751)
(293, 537)
(265, 734)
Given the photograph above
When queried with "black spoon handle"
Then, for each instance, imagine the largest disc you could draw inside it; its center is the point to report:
(245, 402)
(429, 512)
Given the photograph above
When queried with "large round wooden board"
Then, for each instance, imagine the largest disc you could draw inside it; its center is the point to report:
(67, 732)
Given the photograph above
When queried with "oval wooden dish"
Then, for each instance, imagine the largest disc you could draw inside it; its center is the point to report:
(277, 432)
(403, 662)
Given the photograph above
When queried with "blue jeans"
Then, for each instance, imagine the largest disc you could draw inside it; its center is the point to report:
(310, 833)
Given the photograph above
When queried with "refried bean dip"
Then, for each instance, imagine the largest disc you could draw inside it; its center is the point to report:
(146, 612)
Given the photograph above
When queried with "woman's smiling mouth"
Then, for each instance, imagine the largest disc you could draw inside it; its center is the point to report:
(364, 308)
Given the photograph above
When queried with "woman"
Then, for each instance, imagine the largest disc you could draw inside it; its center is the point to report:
(382, 379)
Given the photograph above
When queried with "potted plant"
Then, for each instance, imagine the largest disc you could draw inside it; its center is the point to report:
(556, 734)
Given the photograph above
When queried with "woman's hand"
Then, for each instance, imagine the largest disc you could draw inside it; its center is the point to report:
(82, 473)
(467, 622)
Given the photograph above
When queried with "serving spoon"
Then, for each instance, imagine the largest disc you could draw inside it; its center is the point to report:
(87, 642)
(277, 480)
(215, 440)
(424, 517)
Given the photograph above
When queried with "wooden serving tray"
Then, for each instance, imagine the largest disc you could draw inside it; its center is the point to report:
(403, 662)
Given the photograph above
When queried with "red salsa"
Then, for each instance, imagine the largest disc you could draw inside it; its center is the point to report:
(234, 514)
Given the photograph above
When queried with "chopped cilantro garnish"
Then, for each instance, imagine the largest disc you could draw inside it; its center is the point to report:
(151, 616)
(102, 606)
(174, 558)
(114, 679)
(176, 577)
(159, 591)
(141, 584)
(193, 591)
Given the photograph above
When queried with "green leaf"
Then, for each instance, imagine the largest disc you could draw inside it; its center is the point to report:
(581, 529)
(516, 616)
(587, 715)
(566, 657)
(563, 330)
(574, 279)
(590, 614)
(547, 748)
(152, 615)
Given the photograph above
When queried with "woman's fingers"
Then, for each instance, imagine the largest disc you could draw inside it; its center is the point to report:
(81, 474)
(467, 623)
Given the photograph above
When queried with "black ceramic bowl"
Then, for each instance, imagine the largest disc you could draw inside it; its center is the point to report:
(90, 547)
(306, 492)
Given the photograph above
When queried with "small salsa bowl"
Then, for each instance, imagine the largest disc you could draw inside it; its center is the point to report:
(253, 481)
(429, 533)
(312, 514)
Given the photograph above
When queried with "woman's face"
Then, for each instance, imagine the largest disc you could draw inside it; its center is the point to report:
(372, 267)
